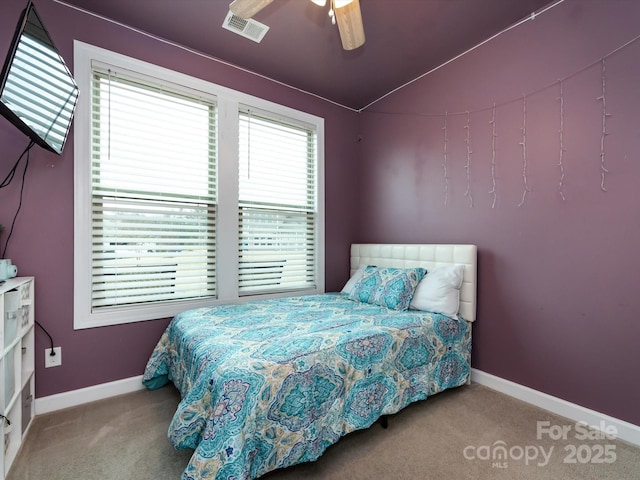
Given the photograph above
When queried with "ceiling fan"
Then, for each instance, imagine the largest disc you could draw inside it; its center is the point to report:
(345, 12)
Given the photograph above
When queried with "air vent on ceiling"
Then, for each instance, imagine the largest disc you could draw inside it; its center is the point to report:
(248, 28)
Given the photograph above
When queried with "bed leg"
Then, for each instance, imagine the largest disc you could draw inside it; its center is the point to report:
(384, 421)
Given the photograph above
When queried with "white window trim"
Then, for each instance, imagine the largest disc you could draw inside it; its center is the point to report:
(229, 102)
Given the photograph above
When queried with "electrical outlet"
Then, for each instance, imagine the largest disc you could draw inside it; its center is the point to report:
(53, 360)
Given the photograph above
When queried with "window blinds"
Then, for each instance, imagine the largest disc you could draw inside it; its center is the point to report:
(153, 191)
(277, 205)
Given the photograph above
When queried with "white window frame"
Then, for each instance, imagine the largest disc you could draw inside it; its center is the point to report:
(229, 103)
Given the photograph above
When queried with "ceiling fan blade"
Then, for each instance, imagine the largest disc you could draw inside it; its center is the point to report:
(349, 19)
(247, 8)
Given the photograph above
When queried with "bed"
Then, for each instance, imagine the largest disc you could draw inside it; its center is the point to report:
(270, 384)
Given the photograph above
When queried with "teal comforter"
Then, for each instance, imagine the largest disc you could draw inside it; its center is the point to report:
(270, 384)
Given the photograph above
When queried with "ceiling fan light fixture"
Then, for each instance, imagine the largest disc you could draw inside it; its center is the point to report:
(320, 3)
(349, 19)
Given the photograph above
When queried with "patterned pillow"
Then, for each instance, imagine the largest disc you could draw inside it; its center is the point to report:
(388, 287)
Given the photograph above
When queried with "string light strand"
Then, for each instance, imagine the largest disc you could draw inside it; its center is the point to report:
(493, 192)
(444, 161)
(603, 99)
(604, 170)
(561, 135)
(467, 167)
(523, 143)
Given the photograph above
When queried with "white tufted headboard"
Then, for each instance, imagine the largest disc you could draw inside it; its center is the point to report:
(427, 256)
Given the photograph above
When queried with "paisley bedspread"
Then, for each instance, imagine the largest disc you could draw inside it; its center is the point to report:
(270, 384)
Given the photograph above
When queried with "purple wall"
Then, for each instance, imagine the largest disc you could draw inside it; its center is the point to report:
(558, 309)
(42, 243)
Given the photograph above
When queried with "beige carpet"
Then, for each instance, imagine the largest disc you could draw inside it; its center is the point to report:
(445, 437)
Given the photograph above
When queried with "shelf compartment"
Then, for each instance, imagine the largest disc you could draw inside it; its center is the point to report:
(12, 375)
(13, 437)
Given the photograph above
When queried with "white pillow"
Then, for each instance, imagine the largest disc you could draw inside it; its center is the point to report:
(348, 287)
(439, 291)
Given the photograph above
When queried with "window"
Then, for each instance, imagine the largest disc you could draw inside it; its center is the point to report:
(153, 192)
(276, 205)
(188, 194)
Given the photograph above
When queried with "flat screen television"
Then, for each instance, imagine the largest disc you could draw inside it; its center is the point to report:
(37, 92)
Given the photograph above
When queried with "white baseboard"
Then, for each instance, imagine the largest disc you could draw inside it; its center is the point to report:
(625, 431)
(86, 395)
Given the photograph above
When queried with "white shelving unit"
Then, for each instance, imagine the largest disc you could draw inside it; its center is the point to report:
(17, 366)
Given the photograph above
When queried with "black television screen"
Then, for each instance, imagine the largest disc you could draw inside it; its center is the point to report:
(37, 92)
